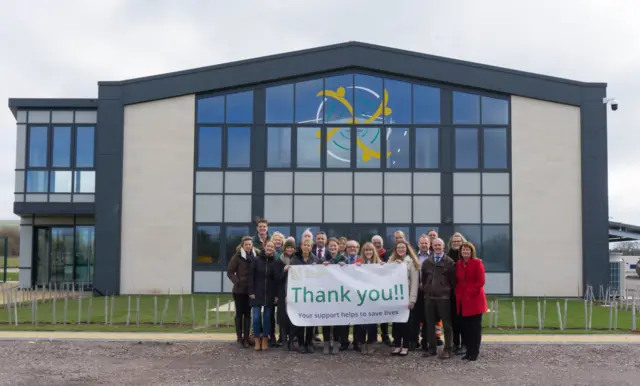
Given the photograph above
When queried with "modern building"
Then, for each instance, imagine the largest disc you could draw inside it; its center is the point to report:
(149, 187)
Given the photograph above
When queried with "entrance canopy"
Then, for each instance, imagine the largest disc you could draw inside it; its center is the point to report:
(623, 232)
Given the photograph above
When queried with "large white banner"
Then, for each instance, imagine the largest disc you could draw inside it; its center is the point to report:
(333, 295)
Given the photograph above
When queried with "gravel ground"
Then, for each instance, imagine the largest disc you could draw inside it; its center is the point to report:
(90, 363)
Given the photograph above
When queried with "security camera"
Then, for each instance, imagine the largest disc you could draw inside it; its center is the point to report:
(611, 102)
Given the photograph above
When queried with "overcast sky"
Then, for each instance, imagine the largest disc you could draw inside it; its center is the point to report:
(62, 48)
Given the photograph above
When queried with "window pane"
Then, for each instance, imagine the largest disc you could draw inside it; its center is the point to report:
(300, 230)
(495, 111)
(61, 156)
(85, 144)
(495, 148)
(399, 103)
(84, 182)
(398, 147)
(211, 110)
(280, 104)
(336, 231)
(60, 181)
(208, 244)
(62, 257)
(308, 147)
(466, 148)
(85, 253)
(279, 147)
(240, 107)
(369, 99)
(472, 234)
(426, 104)
(362, 234)
(495, 248)
(466, 108)
(285, 230)
(38, 146)
(389, 237)
(309, 101)
(37, 181)
(238, 147)
(426, 148)
(339, 147)
(338, 99)
(368, 150)
(209, 147)
(234, 237)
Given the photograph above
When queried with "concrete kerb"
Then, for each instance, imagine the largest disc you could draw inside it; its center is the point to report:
(230, 337)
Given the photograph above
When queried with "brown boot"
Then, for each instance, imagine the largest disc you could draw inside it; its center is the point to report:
(445, 354)
(265, 344)
(257, 344)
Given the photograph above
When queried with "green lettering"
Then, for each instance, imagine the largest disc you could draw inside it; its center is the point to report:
(361, 296)
(320, 297)
(305, 293)
(333, 292)
(295, 293)
(385, 297)
(376, 293)
(344, 294)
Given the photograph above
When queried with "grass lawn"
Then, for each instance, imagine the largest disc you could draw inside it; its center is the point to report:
(11, 276)
(12, 261)
(173, 323)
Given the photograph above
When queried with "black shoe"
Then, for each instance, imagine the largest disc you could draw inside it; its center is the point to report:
(289, 345)
(344, 347)
(465, 357)
(412, 346)
(310, 349)
(240, 342)
(429, 354)
(460, 350)
(386, 340)
(356, 347)
(440, 342)
(473, 358)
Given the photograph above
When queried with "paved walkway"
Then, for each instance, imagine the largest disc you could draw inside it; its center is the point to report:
(230, 337)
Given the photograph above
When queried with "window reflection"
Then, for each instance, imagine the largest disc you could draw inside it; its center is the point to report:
(368, 147)
(495, 248)
(309, 101)
(426, 148)
(362, 234)
(62, 257)
(38, 146)
(85, 144)
(338, 147)
(426, 104)
(238, 147)
(466, 148)
(240, 107)
(495, 148)
(208, 244)
(279, 104)
(37, 181)
(399, 94)
(209, 147)
(279, 147)
(60, 181)
(466, 108)
(84, 253)
(398, 155)
(84, 182)
(495, 111)
(473, 234)
(61, 152)
(308, 147)
(211, 110)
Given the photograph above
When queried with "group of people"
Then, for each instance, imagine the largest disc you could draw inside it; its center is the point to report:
(446, 285)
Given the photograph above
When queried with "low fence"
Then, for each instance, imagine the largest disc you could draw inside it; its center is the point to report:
(65, 305)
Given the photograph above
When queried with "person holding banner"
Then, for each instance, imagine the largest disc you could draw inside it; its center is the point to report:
(455, 242)
(238, 271)
(470, 298)
(404, 254)
(305, 334)
(262, 293)
(333, 257)
(367, 334)
(287, 330)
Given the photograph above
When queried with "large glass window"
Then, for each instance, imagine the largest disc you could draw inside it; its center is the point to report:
(37, 181)
(495, 148)
(466, 108)
(427, 148)
(368, 147)
(61, 154)
(308, 147)
(238, 147)
(338, 99)
(240, 107)
(426, 104)
(398, 150)
(338, 147)
(62, 257)
(309, 101)
(370, 101)
(495, 248)
(399, 102)
(466, 148)
(389, 236)
(84, 182)
(85, 253)
(38, 146)
(234, 237)
(208, 244)
(495, 111)
(279, 147)
(280, 104)
(60, 181)
(211, 110)
(85, 144)
(210, 147)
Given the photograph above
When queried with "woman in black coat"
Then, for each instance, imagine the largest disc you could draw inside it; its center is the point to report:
(287, 330)
(263, 292)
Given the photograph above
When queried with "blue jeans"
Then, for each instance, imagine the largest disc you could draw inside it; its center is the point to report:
(261, 318)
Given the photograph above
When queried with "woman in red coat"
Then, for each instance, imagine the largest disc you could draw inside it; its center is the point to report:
(471, 300)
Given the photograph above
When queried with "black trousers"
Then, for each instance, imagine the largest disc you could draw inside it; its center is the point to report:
(272, 333)
(287, 330)
(366, 333)
(243, 310)
(456, 323)
(402, 331)
(384, 331)
(335, 333)
(419, 317)
(472, 334)
(305, 335)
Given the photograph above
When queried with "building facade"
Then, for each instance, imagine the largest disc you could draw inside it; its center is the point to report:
(149, 187)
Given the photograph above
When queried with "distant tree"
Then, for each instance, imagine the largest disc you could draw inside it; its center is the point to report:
(627, 248)
(13, 235)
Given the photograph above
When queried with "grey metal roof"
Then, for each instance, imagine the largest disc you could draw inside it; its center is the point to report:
(623, 232)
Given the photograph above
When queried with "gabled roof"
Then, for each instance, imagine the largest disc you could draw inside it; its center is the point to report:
(351, 55)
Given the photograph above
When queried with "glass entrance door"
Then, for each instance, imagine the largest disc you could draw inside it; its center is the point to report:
(62, 255)
(41, 261)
